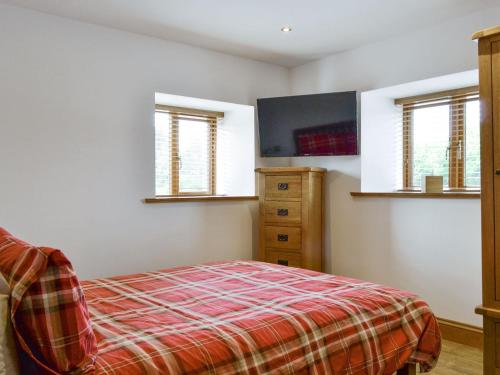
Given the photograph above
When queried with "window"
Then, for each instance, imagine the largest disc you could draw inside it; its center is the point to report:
(441, 137)
(185, 145)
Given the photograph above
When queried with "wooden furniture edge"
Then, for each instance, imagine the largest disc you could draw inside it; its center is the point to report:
(487, 176)
(210, 198)
(407, 194)
(289, 169)
(408, 369)
(486, 32)
(461, 333)
(488, 312)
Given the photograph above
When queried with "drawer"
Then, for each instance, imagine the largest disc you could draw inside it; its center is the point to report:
(284, 258)
(279, 187)
(282, 212)
(283, 237)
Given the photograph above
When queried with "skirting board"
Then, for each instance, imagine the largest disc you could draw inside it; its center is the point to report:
(461, 333)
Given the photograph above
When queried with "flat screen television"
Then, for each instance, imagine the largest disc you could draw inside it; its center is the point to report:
(309, 125)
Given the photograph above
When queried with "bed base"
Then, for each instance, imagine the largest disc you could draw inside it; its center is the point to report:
(408, 369)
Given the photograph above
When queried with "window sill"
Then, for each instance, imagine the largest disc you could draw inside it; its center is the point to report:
(418, 194)
(200, 198)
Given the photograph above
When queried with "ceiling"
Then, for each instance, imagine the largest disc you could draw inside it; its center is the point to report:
(251, 28)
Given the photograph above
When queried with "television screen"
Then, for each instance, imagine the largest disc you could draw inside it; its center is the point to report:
(309, 125)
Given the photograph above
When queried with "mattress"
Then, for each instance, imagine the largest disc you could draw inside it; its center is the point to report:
(247, 317)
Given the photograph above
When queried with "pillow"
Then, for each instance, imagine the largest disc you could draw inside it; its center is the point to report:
(8, 353)
(48, 309)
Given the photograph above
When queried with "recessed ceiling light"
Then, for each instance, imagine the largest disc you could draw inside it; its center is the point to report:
(286, 29)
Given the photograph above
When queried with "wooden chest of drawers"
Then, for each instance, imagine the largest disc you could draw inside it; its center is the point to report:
(291, 216)
(489, 93)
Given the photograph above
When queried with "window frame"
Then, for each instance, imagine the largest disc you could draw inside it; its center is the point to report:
(457, 100)
(191, 114)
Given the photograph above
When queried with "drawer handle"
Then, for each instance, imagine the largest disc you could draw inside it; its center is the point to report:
(283, 262)
(283, 237)
(283, 186)
(282, 211)
(497, 171)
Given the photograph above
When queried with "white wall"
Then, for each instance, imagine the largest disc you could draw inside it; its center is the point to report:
(436, 51)
(77, 155)
(431, 247)
(77, 143)
(382, 143)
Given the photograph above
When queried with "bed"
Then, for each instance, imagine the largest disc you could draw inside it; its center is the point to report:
(246, 317)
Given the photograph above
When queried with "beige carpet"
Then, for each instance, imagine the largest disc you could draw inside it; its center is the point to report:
(457, 359)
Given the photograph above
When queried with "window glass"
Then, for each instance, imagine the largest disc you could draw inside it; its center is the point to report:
(430, 140)
(194, 158)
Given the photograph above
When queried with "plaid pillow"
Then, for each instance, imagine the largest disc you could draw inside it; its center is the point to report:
(48, 308)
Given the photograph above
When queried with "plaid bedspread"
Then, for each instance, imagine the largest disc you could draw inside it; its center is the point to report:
(248, 317)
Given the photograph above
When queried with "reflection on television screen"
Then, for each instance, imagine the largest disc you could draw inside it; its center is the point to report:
(333, 139)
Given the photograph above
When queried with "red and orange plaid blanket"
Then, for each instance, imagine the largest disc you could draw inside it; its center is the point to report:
(248, 317)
